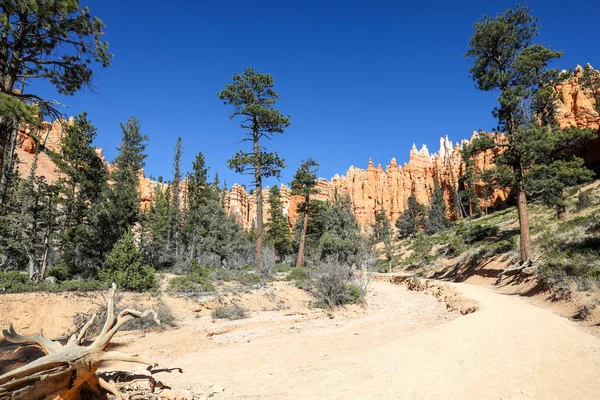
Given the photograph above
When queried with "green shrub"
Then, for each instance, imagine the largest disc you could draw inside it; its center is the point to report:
(14, 281)
(233, 312)
(585, 199)
(124, 266)
(61, 272)
(18, 282)
(354, 294)
(301, 277)
(283, 268)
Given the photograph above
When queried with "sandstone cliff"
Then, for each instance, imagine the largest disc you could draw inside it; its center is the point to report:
(369, 189)
(374, 188)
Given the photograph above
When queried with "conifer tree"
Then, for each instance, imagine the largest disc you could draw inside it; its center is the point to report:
(382, 232)
(253, 97)
(120, 208)
(83, 178)
(590, 82)
(411, 220)
(303, 184)
(175, 201)
(278, 226)
(436, 213)
(31, 224)
(199, 192)
(556, 168)
(505, 59)
(156, 227)
(124, 266)
(56, 41)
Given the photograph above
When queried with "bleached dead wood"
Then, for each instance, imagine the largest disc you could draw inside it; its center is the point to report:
(67, 370)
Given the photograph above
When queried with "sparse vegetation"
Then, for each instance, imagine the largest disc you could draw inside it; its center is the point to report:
(230, 312)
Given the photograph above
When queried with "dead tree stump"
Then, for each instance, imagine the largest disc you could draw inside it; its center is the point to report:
(68, 369)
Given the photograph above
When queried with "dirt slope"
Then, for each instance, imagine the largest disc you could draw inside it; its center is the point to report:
(406, 346)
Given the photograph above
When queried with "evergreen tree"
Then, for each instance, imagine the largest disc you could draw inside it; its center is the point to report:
(199, 192)
(253, 98)
(156, 228)
(590, 82)
(469, 193)
(83, 178)
(278, 227)
(303, 184)
(120, 208)
(124, 266)
(219, 233)
(556, 168)
(48, 40)
(411, 220)
(506, 59)
(382, 232)
(29, 224)
(175, 201)
(341, 237)
(436, 213)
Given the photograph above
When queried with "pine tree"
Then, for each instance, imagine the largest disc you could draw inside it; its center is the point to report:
(590, 82)
(556, 168)
(31, 224)
(156, 228)
(436, 213)
(411, 220)
(278, 226)
(506, 59)
(199, 192)
(253, 98)
(468, 194)
(219, 233)
(120, 208)
(175, 201)
(124, 266)
(83, 178)
(54, 41)
(303, 184)
(382, 232)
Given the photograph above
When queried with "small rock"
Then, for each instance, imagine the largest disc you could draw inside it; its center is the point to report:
(217, 389)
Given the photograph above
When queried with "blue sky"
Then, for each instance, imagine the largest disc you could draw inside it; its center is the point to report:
(360, 79)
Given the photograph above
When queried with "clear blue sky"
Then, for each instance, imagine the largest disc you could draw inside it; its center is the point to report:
(360, 79)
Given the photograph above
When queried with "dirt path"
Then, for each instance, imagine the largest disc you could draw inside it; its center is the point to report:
(406, 346)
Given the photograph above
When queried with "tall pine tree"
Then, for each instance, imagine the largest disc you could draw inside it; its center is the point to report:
(253, 97)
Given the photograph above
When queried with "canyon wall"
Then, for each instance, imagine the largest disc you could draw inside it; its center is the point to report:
(374, 188)
(370, 189)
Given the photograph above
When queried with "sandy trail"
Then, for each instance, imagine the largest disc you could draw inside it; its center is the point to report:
(406, 346)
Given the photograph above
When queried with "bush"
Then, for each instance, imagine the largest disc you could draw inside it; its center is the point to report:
(14, 281)
(18, 282)
(301, 277)
(61, 272)
(124, 267)
(585, 199)
(333, 287)
(233, 312)
(198, 280)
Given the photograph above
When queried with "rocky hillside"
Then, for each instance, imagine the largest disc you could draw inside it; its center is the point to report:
(369, 189)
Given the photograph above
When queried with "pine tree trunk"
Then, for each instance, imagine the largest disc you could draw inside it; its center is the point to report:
(525, 237)
(300, 259)
(561, 212)
(259, 203)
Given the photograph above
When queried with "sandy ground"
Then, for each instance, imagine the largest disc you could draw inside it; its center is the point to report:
(403, 345)
(407, 345)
